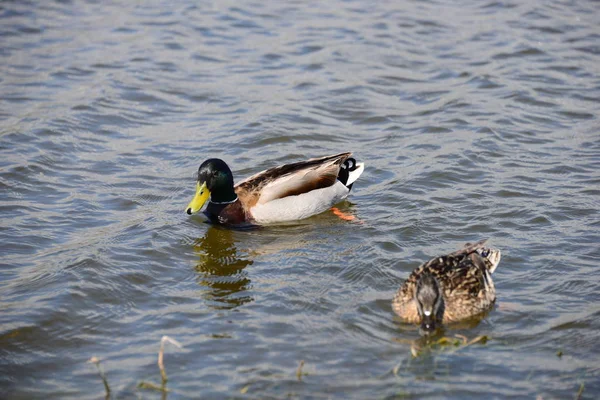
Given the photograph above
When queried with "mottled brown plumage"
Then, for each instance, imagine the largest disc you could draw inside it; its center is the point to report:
(464, 279)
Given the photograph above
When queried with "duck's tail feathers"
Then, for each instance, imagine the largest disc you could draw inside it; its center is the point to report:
(493, 259)
(350, 171)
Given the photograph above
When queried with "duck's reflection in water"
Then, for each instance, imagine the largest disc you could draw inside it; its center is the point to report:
(221, 268)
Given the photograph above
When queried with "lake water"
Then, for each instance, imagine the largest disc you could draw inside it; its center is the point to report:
(474, 119)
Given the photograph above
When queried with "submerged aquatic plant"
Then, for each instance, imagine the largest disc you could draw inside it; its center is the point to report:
(299, 372)
(96, 361)
(443, 344)
(163, 374)
(580, 391)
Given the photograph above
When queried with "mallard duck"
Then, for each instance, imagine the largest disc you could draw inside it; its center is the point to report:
(449, 288)
(285, 193)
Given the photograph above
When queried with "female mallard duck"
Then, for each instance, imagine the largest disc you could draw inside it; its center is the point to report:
(449, 288)
(286, 193)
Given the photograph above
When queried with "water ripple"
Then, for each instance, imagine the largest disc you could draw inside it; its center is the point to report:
(475, 120)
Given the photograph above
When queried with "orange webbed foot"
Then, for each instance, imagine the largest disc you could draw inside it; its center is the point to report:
(342, 215)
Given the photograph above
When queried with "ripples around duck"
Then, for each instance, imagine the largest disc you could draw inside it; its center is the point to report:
(474, 119)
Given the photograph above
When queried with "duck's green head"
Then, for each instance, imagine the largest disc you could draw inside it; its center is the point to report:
(215, 182)
(430, 303)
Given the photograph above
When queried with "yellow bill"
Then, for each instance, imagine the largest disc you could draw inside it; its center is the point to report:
(202, 195)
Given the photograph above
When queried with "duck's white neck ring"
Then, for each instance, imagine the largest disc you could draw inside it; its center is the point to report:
(225, 202)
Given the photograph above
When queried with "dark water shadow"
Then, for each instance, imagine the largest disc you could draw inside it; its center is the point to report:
(221, 267)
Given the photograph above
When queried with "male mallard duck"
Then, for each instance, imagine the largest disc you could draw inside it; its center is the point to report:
(449, 288)
(285, 193)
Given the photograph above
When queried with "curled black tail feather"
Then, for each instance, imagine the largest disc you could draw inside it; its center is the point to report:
(348, 166)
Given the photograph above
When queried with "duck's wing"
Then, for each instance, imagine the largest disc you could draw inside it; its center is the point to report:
(465, 275)
(469, 248)
(444, 264)
(468, 289)
(290, 179)
(479, 252)
(466, 281)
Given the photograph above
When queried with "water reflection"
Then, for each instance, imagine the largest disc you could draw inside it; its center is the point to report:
(221, 268)
(458, 326)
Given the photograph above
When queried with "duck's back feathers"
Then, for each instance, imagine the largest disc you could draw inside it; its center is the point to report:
(290, 179)
(298, 190)
(469, 248)
(464, 277)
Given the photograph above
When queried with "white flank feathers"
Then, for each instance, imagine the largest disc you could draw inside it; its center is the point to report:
(302, 206)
